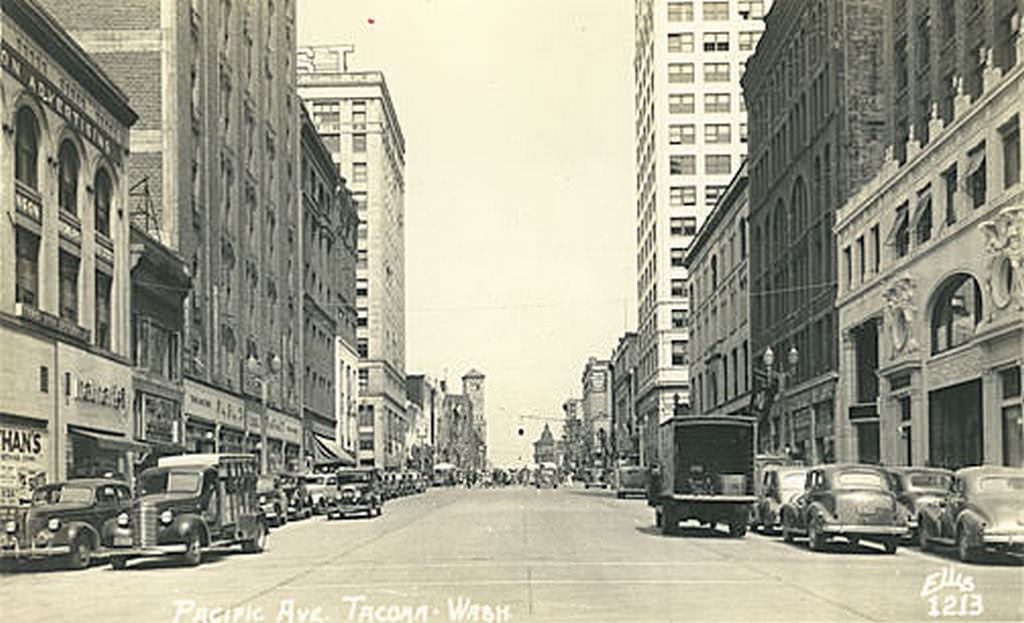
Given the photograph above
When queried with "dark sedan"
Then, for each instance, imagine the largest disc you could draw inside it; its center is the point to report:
(916, 488)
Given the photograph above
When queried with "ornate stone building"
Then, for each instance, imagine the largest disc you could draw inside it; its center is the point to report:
(930, 254)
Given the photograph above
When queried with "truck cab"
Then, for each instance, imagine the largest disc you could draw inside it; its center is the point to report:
(189, 503)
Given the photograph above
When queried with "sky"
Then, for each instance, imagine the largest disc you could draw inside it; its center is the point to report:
(519, 197)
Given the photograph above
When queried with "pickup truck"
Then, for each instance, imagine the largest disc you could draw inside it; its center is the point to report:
(707, 465)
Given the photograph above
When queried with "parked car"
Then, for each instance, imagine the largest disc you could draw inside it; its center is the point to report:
(358, 491)
(917, 487)
(300, 505)
(983, 510)
(851, 501)
(189, 503)
(779, 485)
(595, 478)
(317, 485)
(631, 480)
(273, 501)
(72, 520)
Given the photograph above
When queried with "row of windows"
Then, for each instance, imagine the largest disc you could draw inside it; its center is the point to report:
(684, 103)
(714, 133)
(715, 11)
(686, 164)
(684, 73)
(687, 195)
(712, 41)
(708, 385)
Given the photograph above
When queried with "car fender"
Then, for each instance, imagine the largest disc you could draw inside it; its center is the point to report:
(816, 510)
(930, 514)
(970, 521)
(78, 528)
(788, 513)
(186, 524)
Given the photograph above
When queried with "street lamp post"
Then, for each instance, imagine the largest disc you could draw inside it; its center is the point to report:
(255, 368)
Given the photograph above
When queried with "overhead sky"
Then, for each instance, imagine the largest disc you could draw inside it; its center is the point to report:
(518, 118)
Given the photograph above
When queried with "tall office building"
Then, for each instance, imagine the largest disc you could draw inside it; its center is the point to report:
(691, 134)
(213, 176)
(355, 117)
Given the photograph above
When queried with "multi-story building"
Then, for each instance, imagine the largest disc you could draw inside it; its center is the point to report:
(574, 441)
(691, 134)
(66, 379)
(931, 286)
(355, 116)
(426, 406)
(627, 432)
(214, 177)
(596, 410)
(544, 448)
(720, 302)
(816, 94)
(329, 224)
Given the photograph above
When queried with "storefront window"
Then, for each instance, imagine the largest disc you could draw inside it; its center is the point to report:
(955, 425)
(1013, 417)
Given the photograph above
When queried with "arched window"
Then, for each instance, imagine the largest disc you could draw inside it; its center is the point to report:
(956, 313)
(101, 201)
(67, 189)
(27, 148)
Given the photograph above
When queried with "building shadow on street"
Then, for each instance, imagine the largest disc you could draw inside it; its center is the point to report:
(689, 532)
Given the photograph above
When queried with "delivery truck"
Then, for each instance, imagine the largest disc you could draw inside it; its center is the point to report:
(706, 472)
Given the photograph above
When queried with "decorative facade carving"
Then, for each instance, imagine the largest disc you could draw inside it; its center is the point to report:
(899, 316)
(1004, 243)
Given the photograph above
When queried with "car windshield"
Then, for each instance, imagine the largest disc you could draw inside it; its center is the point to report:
(860, 480)
(353, 477)
(793, 481)
(170, 482)
(1000, 484)
(66, 494)
(930, 481)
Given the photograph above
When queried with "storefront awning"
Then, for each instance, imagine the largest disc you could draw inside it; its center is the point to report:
(110, 442)
(326, 451)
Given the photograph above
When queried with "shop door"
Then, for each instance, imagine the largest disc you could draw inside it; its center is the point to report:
(867, 443)
(955, 425)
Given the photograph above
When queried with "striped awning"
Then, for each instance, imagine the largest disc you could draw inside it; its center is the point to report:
(326, 451)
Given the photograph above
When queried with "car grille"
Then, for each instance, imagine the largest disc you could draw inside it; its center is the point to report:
(144, 521)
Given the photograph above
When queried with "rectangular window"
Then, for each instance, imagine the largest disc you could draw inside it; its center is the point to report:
(1010, 134)
(678, 254)
(680, 42)
(676, 226)
(901, 231)
(751, 9)
(679, 352)
(359, 143)
(949, 180)
(716, 72)
(362, 287)
(681, 134)
(717, 102)
(748, 40)
(923, 217)
(743, 133)
(848, 267)
(716, 42)
(682, 195)
(876, 248)
(717, 133)
(358, 118)
(680, 11)
(1010, 380)
(717, 164)
(976, 183)
(679, 318)
(715, 11)
(680, 103)
(68, 276)
(359, 172)
(678, 288)
(712, 194)
(682, 164)
(680, 73)
(862, 262)
(103, 283)
(26, 267)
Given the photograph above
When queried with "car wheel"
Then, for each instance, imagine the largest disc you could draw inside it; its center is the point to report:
(118, 562)
(964, 551)
(283, 515)
(81, 552)
(258, 542)
(890, 545)
(193, 550)
(922, 536)
(815, 537)
(738, 529)
(787, 534)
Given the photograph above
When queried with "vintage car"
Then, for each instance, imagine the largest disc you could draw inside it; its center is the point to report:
(317, 485)
(72, 519)
(358, 491)
(779, 485)
(851, 501)
(293, 486)
(189, 503)
(595, 478)
(631, 480)
(917, 487)
(273, 500)
(983, 510)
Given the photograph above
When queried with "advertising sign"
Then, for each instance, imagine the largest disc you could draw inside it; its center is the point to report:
(24, 455)
(214, 406)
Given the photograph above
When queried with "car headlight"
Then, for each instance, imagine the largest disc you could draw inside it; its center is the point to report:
(263, 499)
(10, 527)
(54, 524)
(167, 516)
(122, 519)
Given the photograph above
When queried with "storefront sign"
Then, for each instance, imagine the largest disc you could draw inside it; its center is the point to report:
(213, 405)
(281, 426)
(96, 391)
(160, 419)
(99, 393)
(24, 455)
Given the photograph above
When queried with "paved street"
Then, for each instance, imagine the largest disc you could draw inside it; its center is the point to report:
(520, 555)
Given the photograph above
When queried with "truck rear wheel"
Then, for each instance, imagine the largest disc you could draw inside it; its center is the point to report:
(258, 542)
(737, 530)
(669, 522)
(118, 562)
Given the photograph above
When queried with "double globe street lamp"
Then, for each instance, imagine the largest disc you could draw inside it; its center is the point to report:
(262, 377)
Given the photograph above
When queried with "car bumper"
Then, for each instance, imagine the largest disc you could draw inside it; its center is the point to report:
(1013, 540)
(344, 509)
(149, 551)
(864, 531)
(50, 551)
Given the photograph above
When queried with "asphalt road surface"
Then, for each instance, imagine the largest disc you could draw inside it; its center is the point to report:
(520, 554)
